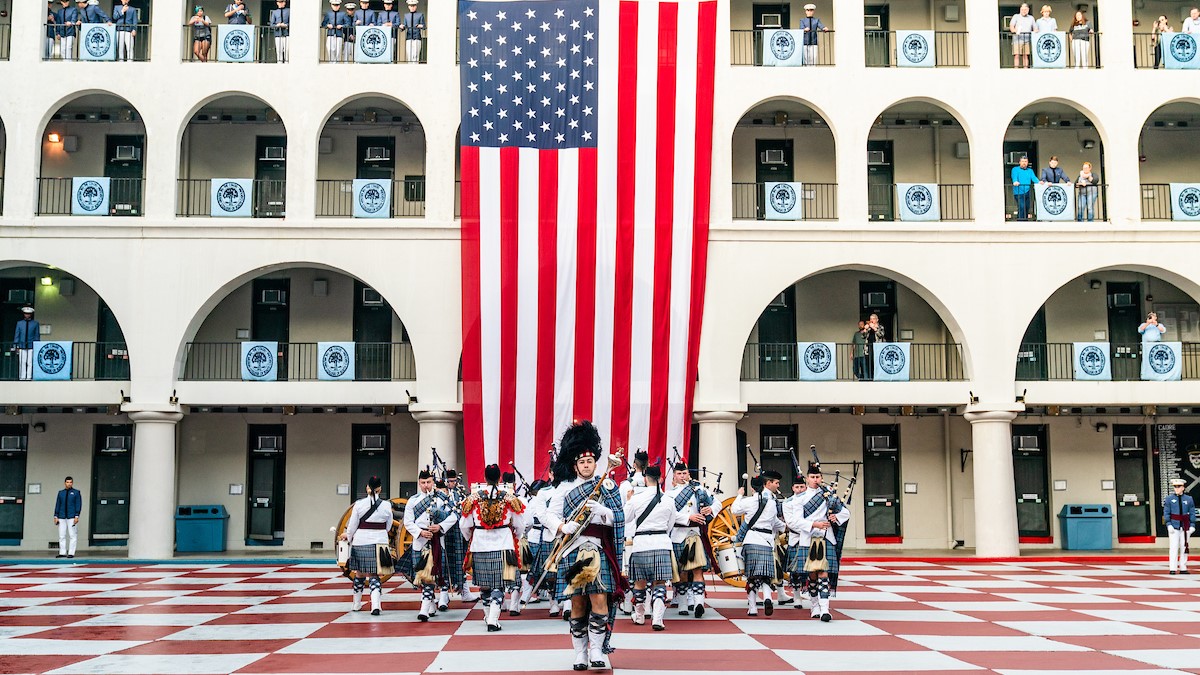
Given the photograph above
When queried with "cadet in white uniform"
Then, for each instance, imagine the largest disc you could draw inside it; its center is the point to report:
(427, 516)
(693, 508)
(366, 529)
(763, 519)
(491, 520)
(650, 564)
(811, 517)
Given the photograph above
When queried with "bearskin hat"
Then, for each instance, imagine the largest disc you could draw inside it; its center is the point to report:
(579, 439)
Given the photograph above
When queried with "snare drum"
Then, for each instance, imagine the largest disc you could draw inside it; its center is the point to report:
(730, 560)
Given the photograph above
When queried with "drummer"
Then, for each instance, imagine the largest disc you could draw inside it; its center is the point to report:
(763, 519)
(367, 532)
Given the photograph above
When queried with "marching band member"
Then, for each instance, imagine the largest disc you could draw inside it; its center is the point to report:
(636, 480)
(693, 509)
(367, 530)
(651, 562)
(491, 520)
(812, 516)
(541, 541)
(514, 593)
(427, 517)
(797, 581)
(763, 520)
(456, 546)
(589, 568)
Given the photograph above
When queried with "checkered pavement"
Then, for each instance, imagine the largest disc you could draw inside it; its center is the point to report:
(1119, 615)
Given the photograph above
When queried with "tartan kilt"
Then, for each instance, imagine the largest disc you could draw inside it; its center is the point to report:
(604, 583)
(454, 551)
(488, 571)
(678, 550)
(541, 551)
(798, 554)
(650, 566)
(362, 559)
(760, 561)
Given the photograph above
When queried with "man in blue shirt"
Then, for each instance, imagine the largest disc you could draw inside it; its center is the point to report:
(28, 331)
(126, 20)
(67, 17)
(281, 20)
(1179, 512)
(811, 25)
(1023, 179)
(67, 507)
(332, 22)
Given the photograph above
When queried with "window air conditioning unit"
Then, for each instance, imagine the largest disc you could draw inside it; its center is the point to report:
(12, 442)
(876, 158)
(372, 442)
(371, 297)
(773, 157)
(875, 299)
(880, 443)
(116, 444)
(378, 154)
(274, 296)
(779, 443)
(1120, 300)
(127, 153)
(1129, 443)
(771, 21)
(1015, 157)
(274, 153)
(1026, 442)
(20, 295)
(269, 444)
(872, 22)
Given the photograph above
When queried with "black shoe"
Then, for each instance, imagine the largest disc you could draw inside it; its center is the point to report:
(61, 555)
(1174, 572)
(492, 629)
(374, 612)
(768, 607)
(72, 555)
(514, 612)
(658, 627)
(443, 608)
(826, 617)
(699, 611)
(1180, 571)
(599, 665)
(579, 666)
(787, 602)
(422, 617)
(685, 612)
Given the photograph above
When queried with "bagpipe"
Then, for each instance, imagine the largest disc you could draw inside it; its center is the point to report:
(817, 558)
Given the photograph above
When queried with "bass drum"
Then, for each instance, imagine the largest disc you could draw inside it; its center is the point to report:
(399, 539)
(721, 532)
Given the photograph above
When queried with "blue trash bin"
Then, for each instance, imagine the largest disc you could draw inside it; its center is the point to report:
(1086, 527)
(200, 528)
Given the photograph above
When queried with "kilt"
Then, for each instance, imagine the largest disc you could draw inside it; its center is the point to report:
(362, 559)
(604, 583)
(678, 549)
(652, 565)
(541, 551)
(798, 554)
(454, 551)
(760, 561)
(488, 570)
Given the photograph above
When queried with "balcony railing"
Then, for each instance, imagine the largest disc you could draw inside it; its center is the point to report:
(57, 51)
(5, 38)
(325, 49)
(949, 49)
(1089, 60)
(1145, 51)
(777, 362)
(299, 361)
(335, 198)
(1156, 201)
(745, 48)
(1091, 203)
(55, 197)
(954, 201)
(1042, 361)
(819, 201)
(194, 198)
(264, 44)
(89, 361)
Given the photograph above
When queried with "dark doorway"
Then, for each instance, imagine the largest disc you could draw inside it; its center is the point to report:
(777, 338)
(767, 16)
(1031, 476)
(376, 157)
(111, 466)
(877, 20)
(270, 175)
(879, 297)
(1130, 462)
(265, 500)
(1124, 317)
(1032, 357)
(112, 355)
(881, 178)
(881, 483)
(14, 443)
(124, 165)
(372, 334)
(270, 318)
(15, 293)
(773, 164)
(371, 449)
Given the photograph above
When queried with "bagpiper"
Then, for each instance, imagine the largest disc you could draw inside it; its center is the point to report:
(456, 548)
(693, 510)
(812, 516)
(367, 532)
(797, 581)
(540, 543)
(427, 517)
(763, 519)
(491, 520)
(588, 503)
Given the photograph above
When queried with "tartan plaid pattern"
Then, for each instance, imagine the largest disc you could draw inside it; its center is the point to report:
(488, 571)
(362, 559)
(703, 499)
(604, 582)
(678, 548)
(454, 551)
(610, 497)
(540, 553)
(798, 554)
(760, 561)
(650, 566)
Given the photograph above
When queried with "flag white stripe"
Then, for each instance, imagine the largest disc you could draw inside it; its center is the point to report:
(527, 310)
(564, 340)
(489, 299)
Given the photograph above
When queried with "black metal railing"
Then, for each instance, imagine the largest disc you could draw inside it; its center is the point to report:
(89, 361)
(1089, 60)
(5, 38)
(264, 44)
(326, 51)
(778, 362)
(194, 198)
(335, 198)
(1043, 361)
(299, 361)
(1156, 201)
(55, 197)
(954, 202)
(949, 49)
(69, 49)
(745, 48)
(1145, 51)
(1091, 203)
(818, 201)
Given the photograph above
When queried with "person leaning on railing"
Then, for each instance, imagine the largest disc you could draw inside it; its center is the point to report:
(201, 34)
(1085, 187)
(1162, 25)
(1023, 179)
(1151, 329)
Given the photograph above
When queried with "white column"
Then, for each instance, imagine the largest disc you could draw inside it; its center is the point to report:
(995, 489)
(439, 429)
(152, 486)
(718, 449)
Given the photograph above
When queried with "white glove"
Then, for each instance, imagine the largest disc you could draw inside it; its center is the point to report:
(1191, 530)
(600, 511)
(569, 528)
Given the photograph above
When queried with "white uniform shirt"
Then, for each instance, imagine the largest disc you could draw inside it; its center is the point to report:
(803, 527)
(1191, 26)
(537, 512)
(554, 516)
(498, 539)
(633, 485)
(747, 506)
(662, 518)
(684, 527)
(383, 514)
(415, 525)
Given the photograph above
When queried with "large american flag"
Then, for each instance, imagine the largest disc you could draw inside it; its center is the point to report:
(586, 145)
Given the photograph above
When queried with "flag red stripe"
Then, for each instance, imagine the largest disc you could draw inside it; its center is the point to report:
(706, 50)
(510, 187)
(664, 223)
(543, 425)
(585, 288)
(471, 367)
(626, 190)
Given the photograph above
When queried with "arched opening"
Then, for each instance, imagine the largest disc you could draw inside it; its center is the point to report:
(918, 165)
(754, 27)
(1165, 171)
(782, 163)
(233, 161)
(915, 34)
(371, 161)
(1054, 163)
(93, 151)
(1049, 34)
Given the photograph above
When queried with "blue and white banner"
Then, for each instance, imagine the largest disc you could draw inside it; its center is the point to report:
(1050, 50)
(782, 47)
(231, 197)
(918, 201)
(1092, 361)
(260, 362)
(1162, 361)
(893, 361)
(1055, 201)
(915, 49)
(373, 44)
(372, 198)
(235, 43)
(89, 195)
(1185, 201)
(52, 360)
(1180, 51)
(784, 201)
(818, 362)
(98, 42)
(335, 361)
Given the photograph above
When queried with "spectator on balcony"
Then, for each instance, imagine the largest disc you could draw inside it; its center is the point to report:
(873, 333)
(1047, 23)
(91, 13)
(414, 23)
(281, 21)
(1021, 26)
(1086, 193)
(335, 30)
(28, 331)
(811, 25)
(51, 30)
(1151, 329)
(67, 16)
(1081, 41)
(1023, 178)
(349, 21)
(1054, 173)
(201, 34)
(1192, 23)
(859, 343)
(366, 16)
(236, 13)
(1162, 25)
(126, 20)
(388, 17)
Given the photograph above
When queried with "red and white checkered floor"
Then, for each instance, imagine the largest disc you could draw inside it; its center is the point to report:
(1030, 616)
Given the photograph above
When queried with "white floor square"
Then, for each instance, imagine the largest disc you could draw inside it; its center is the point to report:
(139, 664)
(874, 662)
(1166, 658)
(931, 615)
(368, 645)
(1078, 628)
(279, 631)
(992, 643)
